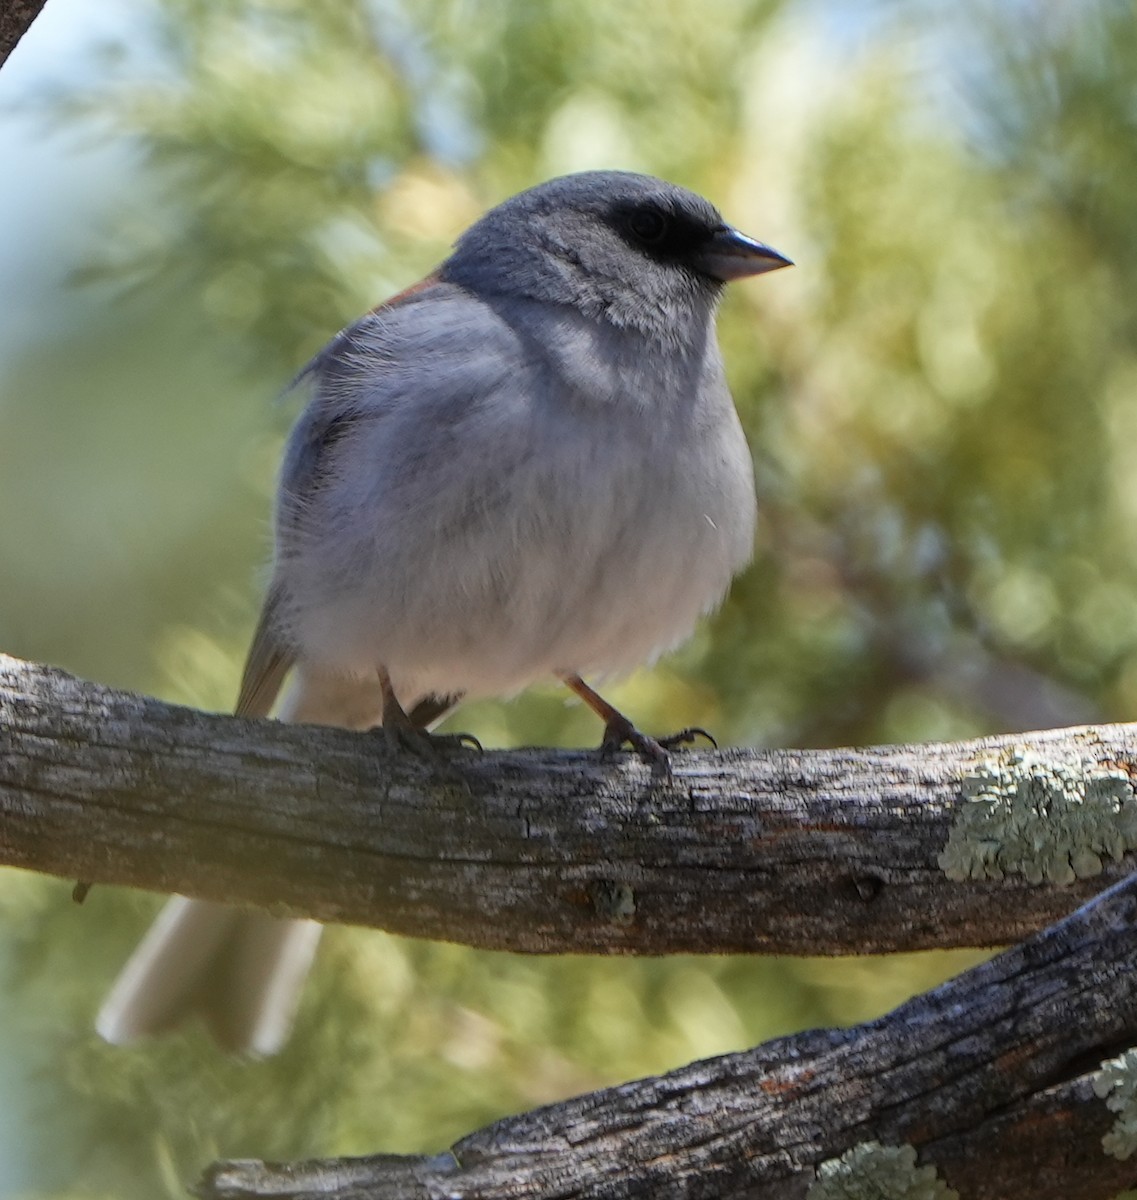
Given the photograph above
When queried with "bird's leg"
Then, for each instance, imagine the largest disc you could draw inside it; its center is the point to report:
(619, 731)
(405, 732)
(430, 709)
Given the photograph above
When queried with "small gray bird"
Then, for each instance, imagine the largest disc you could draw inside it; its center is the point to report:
(527, 465)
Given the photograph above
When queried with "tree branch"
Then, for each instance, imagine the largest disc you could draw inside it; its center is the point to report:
(823, 851)
(16, 17)
(988, 1076)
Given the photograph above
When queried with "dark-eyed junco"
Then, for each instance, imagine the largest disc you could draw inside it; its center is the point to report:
(527, 465)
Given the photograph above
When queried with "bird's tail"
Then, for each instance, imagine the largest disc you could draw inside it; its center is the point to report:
(240, 970)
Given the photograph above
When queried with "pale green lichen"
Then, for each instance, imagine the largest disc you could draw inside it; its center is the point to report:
(870, 1171)
(1050, 821)
(1115, 1082)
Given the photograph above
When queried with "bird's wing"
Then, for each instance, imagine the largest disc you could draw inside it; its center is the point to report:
(337, 403)
(267, 663)
(325, 421)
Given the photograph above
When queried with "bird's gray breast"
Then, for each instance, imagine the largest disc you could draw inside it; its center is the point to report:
(536, 494)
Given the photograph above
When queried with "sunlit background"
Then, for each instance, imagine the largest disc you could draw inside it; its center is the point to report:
(941, 398)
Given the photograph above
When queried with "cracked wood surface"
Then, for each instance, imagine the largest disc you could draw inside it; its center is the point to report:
(786, 851)
(988, 1076)
(16, 17)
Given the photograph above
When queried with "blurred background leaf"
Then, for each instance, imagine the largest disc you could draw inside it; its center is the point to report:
(941, 398)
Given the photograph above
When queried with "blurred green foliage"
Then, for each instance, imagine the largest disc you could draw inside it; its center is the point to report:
(942, 401)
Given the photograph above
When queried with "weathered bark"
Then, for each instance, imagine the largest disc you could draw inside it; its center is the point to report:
(988, 1076)
(823, 851)
(555, 851)
(16, 17)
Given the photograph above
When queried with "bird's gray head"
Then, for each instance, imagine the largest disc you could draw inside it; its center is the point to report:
(625, 248)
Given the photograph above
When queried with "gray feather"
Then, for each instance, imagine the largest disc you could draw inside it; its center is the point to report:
(267, 663)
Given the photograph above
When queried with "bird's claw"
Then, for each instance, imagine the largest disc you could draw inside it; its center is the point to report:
(425, 745)
(432, 749)
(654, 751)
(685, 737)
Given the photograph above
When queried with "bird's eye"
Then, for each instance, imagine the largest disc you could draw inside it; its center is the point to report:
(649, 225)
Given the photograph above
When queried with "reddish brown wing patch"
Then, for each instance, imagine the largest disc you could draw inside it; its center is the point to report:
(428, 281)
